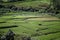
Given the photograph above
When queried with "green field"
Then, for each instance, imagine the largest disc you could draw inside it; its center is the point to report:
(39, 26)
(28, 25)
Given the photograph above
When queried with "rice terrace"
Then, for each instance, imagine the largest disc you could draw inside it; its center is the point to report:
(29, 20)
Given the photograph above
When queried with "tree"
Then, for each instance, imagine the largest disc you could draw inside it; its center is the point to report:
(56, 5)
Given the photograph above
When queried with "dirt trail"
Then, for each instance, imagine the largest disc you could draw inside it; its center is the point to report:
(44, 19)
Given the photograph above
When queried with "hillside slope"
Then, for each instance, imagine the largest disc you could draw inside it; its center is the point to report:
(35, 25)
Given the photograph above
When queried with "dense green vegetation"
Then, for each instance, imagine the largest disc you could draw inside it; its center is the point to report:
(20, 0)
(38, 23)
